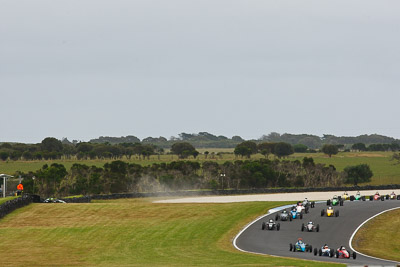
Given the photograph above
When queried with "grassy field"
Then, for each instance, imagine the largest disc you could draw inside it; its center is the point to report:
(385, 171)
(380, 231)
(132, 233)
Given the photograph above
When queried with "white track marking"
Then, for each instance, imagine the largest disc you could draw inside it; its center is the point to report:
(358, 228)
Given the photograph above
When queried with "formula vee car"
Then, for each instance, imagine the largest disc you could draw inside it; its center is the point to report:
(324, 251)
(310, 227)
(295, 214)
(393, 196)
(345, 196)
(283, 216)
(335, 201)
(329, 212)
(307, 203)
(377, 196)
(357, 197)
(300, 246)
(270, 225)
(300, 208)
(342, 253)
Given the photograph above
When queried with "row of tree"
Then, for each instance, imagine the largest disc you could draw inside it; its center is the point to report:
(119, 177)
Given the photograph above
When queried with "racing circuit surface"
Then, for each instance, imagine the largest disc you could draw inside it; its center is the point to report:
(334, 231)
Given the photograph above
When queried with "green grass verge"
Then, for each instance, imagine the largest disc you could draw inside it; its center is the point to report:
(2, 200)
(379, 236)
(132, 232)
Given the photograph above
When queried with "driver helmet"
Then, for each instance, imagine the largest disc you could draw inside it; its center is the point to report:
(377, 193)
(393, 193)
(345, 193)
(325, 246)
(300, 240)
(284, 211)
(329, 208)
(271, 221)
(310, 222)
(305, 199)
(343, 248)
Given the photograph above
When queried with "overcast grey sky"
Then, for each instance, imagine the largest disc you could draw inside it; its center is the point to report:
(88, 68)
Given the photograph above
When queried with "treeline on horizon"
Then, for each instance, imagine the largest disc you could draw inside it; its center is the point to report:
(120, 177)
(185, 146)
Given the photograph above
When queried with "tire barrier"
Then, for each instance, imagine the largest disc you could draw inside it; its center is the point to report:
(11, 205)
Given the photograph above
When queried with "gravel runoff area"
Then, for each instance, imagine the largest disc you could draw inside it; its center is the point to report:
(272, 197)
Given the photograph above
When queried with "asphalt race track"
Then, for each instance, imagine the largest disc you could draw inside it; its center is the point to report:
(334, 231)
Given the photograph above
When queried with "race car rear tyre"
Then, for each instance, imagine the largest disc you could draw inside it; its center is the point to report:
(320, 252)
(354, 255)
(278, 227)
(301, 215)
(290, 247)
(290, 218)
(302, 227)
(387, 196)
(383, 198)
(328, 202)
(398, 197)
(315, 251)
(322, 213)
(363, 198)
(307, 209)
(352, 198)
(313, 204)
(337, 254)
(263, 226)
(317, 227)
(337, 213)
(332, 252)
(371, 198)
(276, 217)
(341, 203)
(310, 249)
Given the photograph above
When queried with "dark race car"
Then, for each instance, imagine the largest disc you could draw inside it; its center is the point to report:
(342, 253)
(283, 216)
(324, 251)
(270, 225)
(310, 227)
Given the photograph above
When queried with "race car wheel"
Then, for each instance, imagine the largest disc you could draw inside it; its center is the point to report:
(320, 252)
(328, 202)
(315, 251)
(276, 217)
(341, 202)
(290, 218)
(337, 254)
(317, 227)
(387, 197)
(263, 226)
(313, 204)
(302, 227)
(307, 209)
(322, 213)
(352, 198)
(354, 255)
(278, 227)
(398, 197)
(290, 247)
(337, 213)
(332, 252)
(310, 249)
(363, 198)
(383, 198)
(301, 215)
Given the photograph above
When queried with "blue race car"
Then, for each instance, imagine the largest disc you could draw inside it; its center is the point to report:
(300, 246)
(294, 214)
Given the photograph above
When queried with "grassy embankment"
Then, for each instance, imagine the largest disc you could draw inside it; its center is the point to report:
(2, 200)
(385, 171)
(379, 237)
(132, 233)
